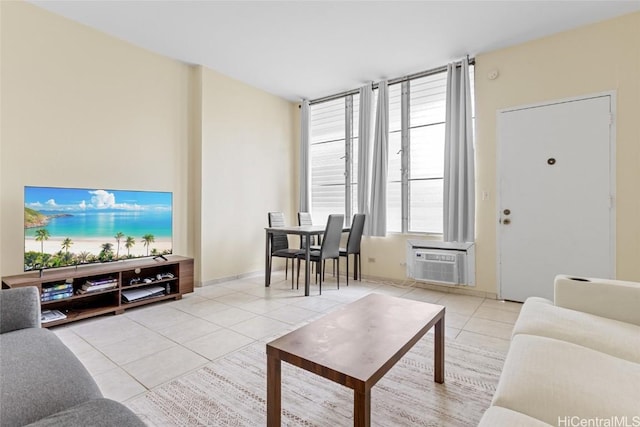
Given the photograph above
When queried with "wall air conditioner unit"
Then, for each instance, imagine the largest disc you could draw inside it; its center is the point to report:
(441, 262)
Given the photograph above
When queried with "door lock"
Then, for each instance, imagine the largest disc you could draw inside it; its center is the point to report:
(506, 211)
(506, 221)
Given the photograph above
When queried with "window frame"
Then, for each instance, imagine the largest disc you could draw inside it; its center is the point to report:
(405, 150)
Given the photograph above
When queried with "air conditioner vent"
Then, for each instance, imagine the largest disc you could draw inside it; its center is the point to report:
(442, 265)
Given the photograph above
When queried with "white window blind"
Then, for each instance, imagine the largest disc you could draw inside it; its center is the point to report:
(333, 158)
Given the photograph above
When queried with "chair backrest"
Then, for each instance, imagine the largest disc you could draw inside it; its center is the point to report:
(331, 240)
(355, 234)
(278, 241)
(304, 218)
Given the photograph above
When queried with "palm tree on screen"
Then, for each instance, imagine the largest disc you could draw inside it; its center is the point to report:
(42, 234)
(129, 244)
(83, 257)
(119, 235)
(66, 244)
(147, 239)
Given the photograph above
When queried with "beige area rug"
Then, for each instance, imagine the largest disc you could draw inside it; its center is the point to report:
(231, 391)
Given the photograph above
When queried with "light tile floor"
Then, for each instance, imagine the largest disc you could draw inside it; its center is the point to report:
(147, 346)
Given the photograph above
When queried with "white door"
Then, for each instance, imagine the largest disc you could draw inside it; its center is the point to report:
(555, 196)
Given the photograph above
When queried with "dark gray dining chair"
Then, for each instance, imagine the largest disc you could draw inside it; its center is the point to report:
(280, 245)
(304, 218)
(353, 246)
(330, 248)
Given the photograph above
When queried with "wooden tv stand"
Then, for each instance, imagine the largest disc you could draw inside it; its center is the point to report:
(128, 274)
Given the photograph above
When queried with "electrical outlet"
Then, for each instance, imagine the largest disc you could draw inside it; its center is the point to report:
(371, 259)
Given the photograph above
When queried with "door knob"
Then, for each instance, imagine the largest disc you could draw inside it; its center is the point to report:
(506, 221)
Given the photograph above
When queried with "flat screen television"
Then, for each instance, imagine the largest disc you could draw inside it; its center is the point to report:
(71, 226)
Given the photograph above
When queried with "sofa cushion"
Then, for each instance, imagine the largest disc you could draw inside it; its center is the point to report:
(499, 416)
(40, 376)
(549, 380)
(19, 309)
(96, 413)
(540, 317)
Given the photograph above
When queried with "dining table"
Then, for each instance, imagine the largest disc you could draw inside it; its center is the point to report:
(306, 232)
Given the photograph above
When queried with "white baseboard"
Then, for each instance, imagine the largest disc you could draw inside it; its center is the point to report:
(461, 290)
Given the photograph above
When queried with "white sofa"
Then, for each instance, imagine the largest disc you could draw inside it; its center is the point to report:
(575, 361)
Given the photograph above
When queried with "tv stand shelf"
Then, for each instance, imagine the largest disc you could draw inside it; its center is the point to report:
(174, 275)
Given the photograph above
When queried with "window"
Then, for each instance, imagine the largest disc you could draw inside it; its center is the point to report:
(426, 131)
(416, 154)
(415, 179)
(333, 155)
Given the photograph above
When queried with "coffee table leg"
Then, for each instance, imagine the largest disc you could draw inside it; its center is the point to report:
(439, 352)
(274, 408)
(362, 408)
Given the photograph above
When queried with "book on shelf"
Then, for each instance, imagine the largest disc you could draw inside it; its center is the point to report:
(98, 282)
(100, 286)
(49, 291)
(95, 290)
(58, 287)
(51, 315)
(55, 297)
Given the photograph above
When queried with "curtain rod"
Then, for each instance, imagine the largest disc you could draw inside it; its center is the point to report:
(417, 75)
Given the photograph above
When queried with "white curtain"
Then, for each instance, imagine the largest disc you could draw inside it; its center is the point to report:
(305, 137)
(378, 217)
(459, 169)
(364, 155)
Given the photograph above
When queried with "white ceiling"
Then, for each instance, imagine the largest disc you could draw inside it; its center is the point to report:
(310, 49)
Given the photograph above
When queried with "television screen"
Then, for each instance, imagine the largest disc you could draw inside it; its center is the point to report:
(70, 226)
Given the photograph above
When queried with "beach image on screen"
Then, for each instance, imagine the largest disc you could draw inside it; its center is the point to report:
(71, 226)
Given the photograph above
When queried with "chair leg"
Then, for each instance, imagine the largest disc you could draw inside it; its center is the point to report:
(347, 258)
(338, 271)
(286, 268)
(321, 272)
(355, 266)
(298, 278)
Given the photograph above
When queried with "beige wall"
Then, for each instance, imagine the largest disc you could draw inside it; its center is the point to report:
(82, 109)
(385, 257)
(248, 167)
(592, 59)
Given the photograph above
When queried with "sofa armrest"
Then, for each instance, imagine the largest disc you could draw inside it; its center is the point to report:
(19, 309)
(613, 299)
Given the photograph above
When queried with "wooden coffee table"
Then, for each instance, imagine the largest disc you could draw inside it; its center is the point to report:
(355, 346)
